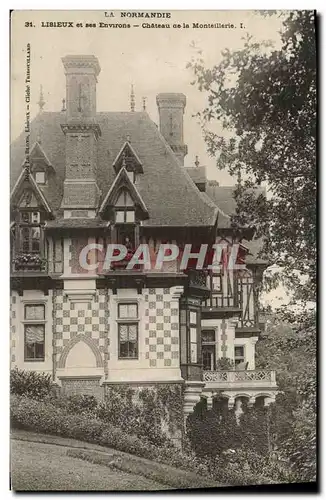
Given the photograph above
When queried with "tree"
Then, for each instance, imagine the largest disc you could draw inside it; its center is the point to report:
(290, 348)
(266, 101)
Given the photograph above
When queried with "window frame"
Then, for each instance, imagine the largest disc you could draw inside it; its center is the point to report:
(128, 321)
(35, 177)
(30, 225)
(37, 323)
(240, 359)
(124, 209)
(210, 345)
(193, 326)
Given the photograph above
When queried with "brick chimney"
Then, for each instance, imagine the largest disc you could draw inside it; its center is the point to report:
(81, 131)
(171, 108)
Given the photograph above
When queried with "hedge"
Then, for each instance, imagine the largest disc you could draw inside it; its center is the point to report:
(44, 417)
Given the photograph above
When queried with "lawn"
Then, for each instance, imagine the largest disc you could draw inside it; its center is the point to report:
(46, 467)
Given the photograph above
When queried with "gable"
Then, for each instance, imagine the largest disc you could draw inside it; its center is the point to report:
(37, 155)
(27, 194)
(123, 192)
(128, 158)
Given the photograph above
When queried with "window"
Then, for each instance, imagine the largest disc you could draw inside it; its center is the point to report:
(128, 330)
(30, 239)
(217, 283)
(124, 209)
(193, 336)
(30, 231)
(40, 177)
(34, 332)
(239, 356)
(208, 349)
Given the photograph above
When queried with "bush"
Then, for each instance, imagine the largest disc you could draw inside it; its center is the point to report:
(44, 417)
(41, 416)
(30, 383)
(77, 404)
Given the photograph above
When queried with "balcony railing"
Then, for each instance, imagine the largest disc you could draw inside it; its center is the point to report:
(197, 278)
(29, 262)
(235, 378)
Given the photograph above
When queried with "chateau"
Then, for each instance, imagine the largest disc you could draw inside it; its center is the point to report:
(116, 177)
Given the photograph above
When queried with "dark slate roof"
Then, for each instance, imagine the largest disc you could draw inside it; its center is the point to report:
(197, 174)
(76, 223)
(169, 194)
(223, 197)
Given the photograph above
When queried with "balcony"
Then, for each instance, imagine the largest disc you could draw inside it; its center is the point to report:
(29, 262)
(240, 379)
(197, 282)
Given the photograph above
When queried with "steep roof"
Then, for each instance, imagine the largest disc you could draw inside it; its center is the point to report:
(197, 174)
(223, 196)
(169, 194)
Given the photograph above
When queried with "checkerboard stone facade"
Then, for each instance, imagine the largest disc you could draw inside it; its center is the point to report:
(162, 328)
(13, 326)
(89, 319)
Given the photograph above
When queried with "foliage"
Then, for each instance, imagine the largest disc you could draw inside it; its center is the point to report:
(42, 416)
(77, 404)
(247, 467)
(211, 432)
(290, 347)
(265, 100)
(224, 364)
(215, 431)
(30, 383)
(235, 450)
(154, 412)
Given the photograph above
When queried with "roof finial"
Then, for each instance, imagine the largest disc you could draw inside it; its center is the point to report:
(123, 160)
(128, 138)
(197, 161)
(41, 101)
(132, 99)
(63, 105)
(144, 103)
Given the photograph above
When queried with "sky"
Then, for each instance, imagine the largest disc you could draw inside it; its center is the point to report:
(153, 60)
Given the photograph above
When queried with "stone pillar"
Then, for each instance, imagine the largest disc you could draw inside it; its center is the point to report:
(192, 394)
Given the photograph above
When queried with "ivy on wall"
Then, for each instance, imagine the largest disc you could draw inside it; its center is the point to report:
(154, 411)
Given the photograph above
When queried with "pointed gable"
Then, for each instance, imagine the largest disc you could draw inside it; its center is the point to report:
(38, 157)
(38, 154)
(123, 190)
(128, 158)
(27, 194)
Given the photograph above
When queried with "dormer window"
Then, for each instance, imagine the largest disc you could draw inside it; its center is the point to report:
(40, 177)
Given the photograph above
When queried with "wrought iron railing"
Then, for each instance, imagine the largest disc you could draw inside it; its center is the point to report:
(240, 376)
